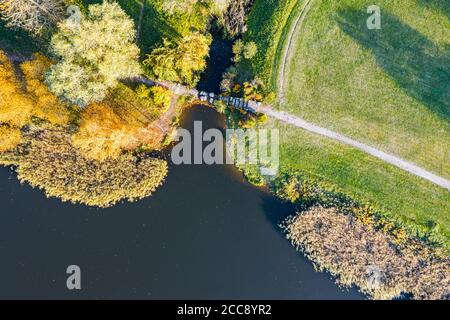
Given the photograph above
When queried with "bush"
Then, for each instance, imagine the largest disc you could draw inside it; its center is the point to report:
(51, 163)
(161, 97)
(220, 106)
(158, 96)
(181, 61)
(250, 50)
(360, 255)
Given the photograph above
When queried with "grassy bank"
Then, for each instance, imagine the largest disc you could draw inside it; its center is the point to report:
(410, 200)
(268, 25)
(388, 89)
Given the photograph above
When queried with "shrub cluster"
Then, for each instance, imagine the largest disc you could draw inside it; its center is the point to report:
(358, 254)
(305, 193)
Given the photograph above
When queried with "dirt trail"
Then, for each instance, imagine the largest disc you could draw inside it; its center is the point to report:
(301, 123)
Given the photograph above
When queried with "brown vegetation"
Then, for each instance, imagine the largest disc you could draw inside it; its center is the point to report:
(48, 160)
(358, 254)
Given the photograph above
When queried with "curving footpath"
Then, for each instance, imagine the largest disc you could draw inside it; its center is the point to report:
(301, 123)
(398, 162)
(286, 52)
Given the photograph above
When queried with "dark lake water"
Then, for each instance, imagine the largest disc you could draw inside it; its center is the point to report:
(206, 234)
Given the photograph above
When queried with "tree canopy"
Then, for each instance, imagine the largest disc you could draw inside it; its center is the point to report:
(180, 61)
(32, 16)
(93, 56)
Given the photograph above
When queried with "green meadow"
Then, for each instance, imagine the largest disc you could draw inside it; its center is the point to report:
(388, 88)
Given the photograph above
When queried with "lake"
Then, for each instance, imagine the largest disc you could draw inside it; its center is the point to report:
(205, 234)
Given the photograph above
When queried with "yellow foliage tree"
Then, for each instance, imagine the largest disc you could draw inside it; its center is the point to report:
(15, 107)
(182, 61)
(103, 134)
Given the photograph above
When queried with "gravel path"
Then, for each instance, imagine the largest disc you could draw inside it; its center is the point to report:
(301, 123)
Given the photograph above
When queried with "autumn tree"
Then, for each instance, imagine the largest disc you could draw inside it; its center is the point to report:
(46, 105)
(10, 137)
(94, 55)
(243, 50)
(34, 16)
(19, 101)
(102, 133)
(180, 61)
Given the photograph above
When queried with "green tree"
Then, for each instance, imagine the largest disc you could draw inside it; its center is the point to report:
(250, 49)
(181, 61)
(93, 55)
(238, 47)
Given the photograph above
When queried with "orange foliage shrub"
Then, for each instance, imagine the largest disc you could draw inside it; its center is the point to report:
(123, 121)
(10, 137)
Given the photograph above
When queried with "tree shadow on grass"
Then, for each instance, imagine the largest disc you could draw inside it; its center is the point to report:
(417, 65)
(442, 6)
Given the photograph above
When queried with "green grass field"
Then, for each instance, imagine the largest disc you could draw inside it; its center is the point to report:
(366, 179)
(388, 88)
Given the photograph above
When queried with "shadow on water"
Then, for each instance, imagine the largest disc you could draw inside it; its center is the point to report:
(218, 61)
(417, 65)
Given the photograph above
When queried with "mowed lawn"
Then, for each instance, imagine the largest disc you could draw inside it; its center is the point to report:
(389, 88)
(367, 179)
